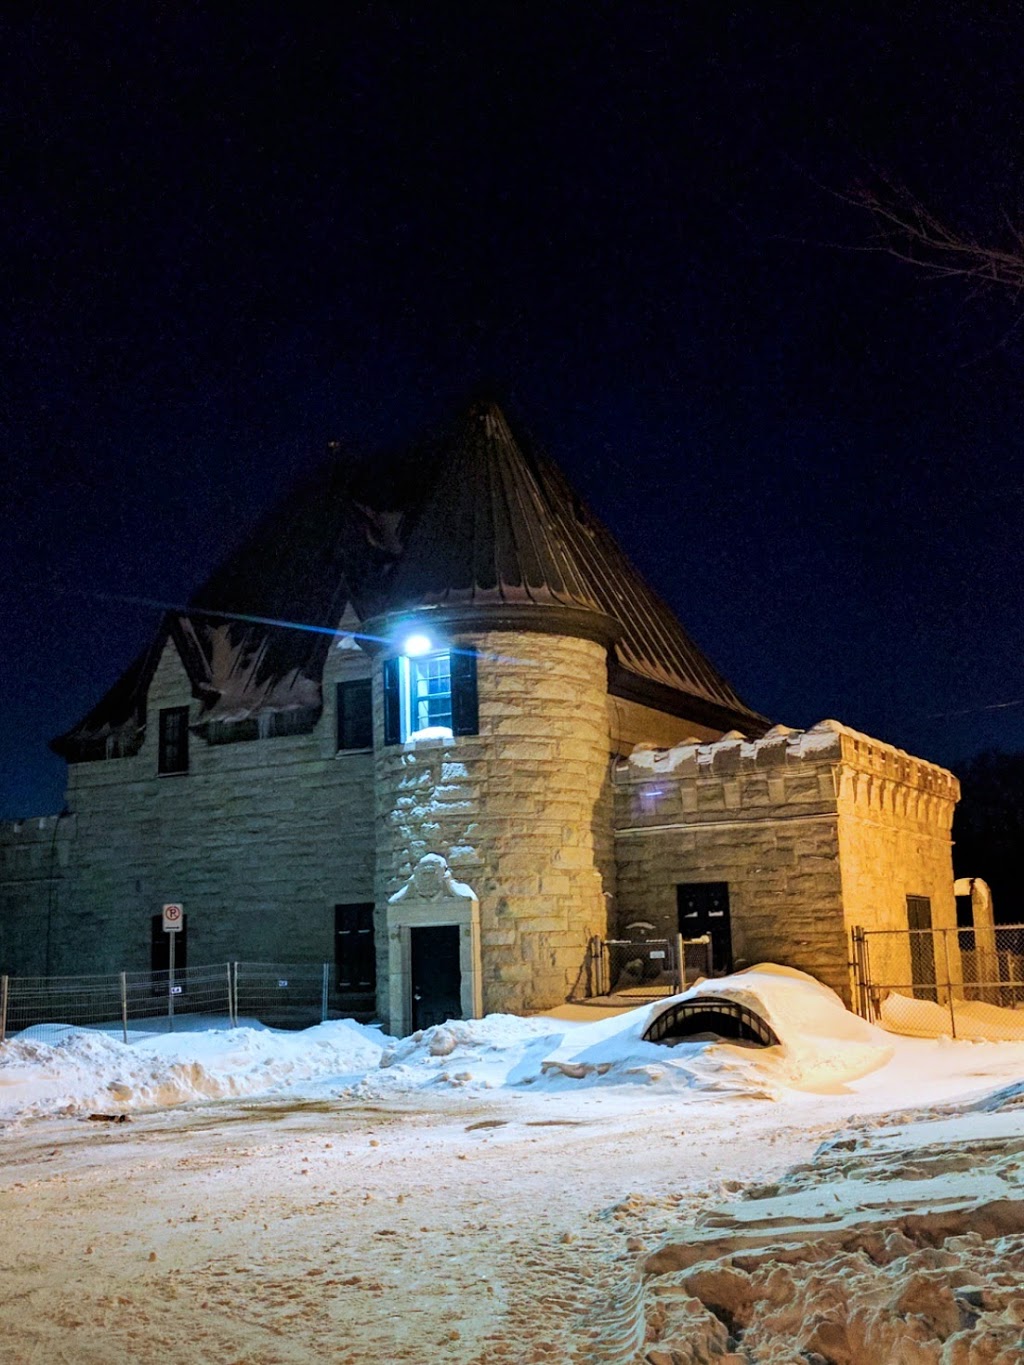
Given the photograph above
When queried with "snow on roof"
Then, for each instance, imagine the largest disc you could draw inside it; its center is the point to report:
(780, 744)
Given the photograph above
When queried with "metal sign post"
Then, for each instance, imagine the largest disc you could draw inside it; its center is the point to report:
(174, 918)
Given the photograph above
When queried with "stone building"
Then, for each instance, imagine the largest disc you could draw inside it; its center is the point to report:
(779, 847)
(482, 658)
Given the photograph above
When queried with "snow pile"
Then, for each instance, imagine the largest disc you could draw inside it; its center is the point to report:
(823, 1045)
(823, 1048)
(498, 1050)
(85, 1071)
(974, 1019)
(903, 1244)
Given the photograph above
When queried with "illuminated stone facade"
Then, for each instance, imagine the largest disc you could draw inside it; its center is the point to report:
(813, 832)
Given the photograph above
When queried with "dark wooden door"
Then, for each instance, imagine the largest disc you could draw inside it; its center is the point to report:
(703, 908)
(436, 977)
(922, 947)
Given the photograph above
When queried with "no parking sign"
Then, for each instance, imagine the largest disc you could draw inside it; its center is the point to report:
(174, 917)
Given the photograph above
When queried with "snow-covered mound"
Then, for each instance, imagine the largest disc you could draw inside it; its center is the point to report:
(822, 1045)
(498, 1050)
(84, 1071)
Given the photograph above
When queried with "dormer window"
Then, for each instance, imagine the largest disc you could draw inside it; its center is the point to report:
(430, 696)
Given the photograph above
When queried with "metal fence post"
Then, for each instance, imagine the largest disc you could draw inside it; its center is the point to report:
(949, 981)
(231, 1009)
(124, 1006)
(3, 1009)
(680, 964)
(323, 993)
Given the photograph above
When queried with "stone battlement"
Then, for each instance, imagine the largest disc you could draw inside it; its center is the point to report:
(783, 747)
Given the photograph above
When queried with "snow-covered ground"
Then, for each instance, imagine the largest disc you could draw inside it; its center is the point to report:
(516, 1190)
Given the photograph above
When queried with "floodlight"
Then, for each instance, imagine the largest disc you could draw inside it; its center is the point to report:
(415, 645)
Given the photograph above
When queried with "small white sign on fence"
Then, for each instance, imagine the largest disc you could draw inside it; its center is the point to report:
(174, 916)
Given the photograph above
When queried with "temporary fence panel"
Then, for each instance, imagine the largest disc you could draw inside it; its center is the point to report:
(188, 998)
(124, 1003)
(50, 1005)
(964, 983)
(282, 995)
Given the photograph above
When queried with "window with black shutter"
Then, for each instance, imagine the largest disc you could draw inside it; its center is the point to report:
(355, 714)
(433, 693)
(355, 953)
(173, 754)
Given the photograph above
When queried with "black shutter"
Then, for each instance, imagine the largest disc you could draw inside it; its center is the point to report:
(465, 710)
(392, 703)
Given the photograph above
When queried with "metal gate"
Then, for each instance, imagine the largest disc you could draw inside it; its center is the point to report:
(644, 969)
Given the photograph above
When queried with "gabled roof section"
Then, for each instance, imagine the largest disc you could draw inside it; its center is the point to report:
(474, 524)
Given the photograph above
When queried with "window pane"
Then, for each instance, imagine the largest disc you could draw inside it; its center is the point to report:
(431, 692)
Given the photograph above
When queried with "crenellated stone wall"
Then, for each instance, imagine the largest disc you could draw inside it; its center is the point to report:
(520, 810)
(814, 831)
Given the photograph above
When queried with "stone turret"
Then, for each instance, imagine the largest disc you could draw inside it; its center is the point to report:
(516, 809)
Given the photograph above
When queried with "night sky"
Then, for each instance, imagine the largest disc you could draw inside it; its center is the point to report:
(227, 241)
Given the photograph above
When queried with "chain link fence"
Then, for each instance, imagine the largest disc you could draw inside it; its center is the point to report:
(293, 995)
(962, 983)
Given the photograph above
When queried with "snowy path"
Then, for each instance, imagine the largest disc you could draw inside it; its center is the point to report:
(513, 1192)
(446, 1228)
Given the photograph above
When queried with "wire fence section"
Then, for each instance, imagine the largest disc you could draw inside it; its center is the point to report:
(642, 969)
(282, 995)
(292, 995)
(964, 983)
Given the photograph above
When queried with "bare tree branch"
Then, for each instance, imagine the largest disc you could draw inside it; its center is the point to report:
(907, 230)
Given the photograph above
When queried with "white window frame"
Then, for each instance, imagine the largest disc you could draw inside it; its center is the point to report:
(407, 671)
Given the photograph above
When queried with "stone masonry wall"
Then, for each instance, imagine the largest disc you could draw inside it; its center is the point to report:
(766, 824)
(895, 840)
(516, 810)
(259, 840)
(35, 856)
(632, 724)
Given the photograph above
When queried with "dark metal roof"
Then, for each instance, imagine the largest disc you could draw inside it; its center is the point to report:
(473, 524)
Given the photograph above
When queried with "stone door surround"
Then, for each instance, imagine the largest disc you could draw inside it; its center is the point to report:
(432, 896)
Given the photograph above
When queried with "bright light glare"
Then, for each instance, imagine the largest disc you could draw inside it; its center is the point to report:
(415, 645)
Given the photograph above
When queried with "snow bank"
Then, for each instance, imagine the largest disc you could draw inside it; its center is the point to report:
(90, 1071)
(974, 1019)
(823, 1048)
(901, 1244)
(822, 1045)
(498, 1050)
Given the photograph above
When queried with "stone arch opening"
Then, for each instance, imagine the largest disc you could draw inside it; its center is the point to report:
(711, 1018)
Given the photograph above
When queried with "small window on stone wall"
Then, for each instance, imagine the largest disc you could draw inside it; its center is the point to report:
(355, 953)
(173, 754)
(433, 694)
(355, 714)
